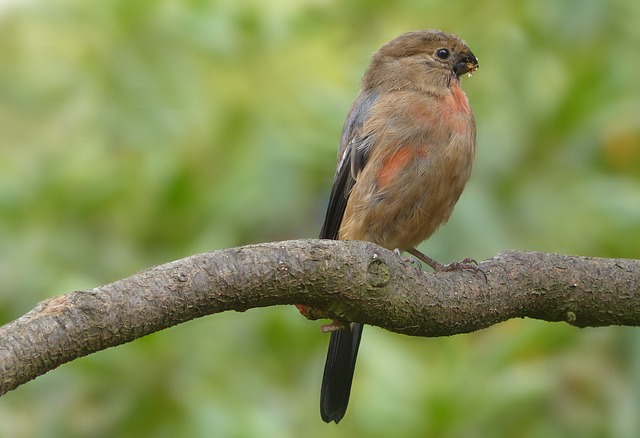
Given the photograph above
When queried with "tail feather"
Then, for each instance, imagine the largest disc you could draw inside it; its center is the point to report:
(338, 372)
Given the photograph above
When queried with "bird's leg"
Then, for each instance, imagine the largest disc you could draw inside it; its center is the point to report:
(467, 264)
(415, 263)
(436, 266)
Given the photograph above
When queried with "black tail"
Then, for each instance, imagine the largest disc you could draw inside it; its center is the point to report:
(338, 372)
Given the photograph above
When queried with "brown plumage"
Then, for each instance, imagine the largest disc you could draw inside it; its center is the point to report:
(406, 153)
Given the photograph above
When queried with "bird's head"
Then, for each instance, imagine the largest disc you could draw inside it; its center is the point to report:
(424, 56)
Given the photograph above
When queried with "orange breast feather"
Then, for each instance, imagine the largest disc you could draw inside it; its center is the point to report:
(393, 164)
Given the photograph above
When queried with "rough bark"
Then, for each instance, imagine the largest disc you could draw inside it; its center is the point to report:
(353, 281)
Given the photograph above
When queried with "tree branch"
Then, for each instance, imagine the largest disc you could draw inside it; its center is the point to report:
(353, 281)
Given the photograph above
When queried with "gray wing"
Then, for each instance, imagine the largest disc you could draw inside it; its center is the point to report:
(353, 155)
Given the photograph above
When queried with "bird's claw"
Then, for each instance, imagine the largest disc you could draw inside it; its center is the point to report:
(467, 264)
(412, 261)
(333, 327)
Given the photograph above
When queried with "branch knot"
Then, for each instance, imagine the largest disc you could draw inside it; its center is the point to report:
(378, 274)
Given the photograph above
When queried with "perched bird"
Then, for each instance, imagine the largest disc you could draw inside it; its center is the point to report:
(406, 153)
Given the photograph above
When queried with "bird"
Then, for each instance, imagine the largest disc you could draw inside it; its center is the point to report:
(405, 155)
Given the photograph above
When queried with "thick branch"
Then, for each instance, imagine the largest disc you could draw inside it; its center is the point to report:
(353, 281)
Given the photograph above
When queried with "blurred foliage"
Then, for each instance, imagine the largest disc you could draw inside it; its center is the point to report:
(137, 132)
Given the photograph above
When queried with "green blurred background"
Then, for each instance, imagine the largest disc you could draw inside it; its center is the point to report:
(133, 133)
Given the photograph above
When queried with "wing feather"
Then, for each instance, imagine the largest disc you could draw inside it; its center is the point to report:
(352, 157)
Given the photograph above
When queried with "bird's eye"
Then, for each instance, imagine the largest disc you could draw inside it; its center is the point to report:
(443, 53)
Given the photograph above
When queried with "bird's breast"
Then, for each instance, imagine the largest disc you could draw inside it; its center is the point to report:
(419, 164)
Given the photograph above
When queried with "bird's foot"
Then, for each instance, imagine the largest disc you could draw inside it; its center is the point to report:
(333, 327)
(412, 261)
(311, 313)
(467, 264)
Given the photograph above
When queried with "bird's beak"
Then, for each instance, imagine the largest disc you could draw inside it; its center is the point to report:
(467, 64)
